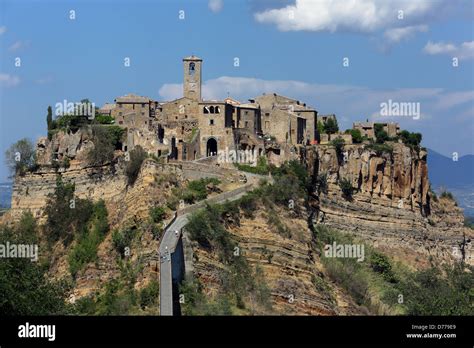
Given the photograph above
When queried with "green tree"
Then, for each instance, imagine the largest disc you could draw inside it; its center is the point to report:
(49, 118)
(103, 150)
(20, 157)
(331, 127)
(356, 136)
(24, 286)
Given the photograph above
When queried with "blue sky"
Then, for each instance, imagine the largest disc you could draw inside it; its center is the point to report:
(292, 48)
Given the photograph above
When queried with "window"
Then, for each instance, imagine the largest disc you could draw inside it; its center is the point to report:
(211, 109)
(217, 110)
(246, 124)
(192, 68)
(205, 109)
(246, 112)
(143, 105)
(211, 122)
(267, 114)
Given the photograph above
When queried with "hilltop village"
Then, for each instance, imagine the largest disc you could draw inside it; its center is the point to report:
(191, 128)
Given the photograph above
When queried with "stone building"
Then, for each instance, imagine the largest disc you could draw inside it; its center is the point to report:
(368, 128)
(190, 127)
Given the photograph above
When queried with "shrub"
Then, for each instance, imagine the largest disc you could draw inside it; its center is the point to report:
(356, 136)
(122, 239)
(104, 119)
(447, 195)
(85, 251)
(66, 215)
(381, 264)
(410, 139)
(149, 294)
(20, 157)
(338, 144)
(157, 214)
(380, 148)
(428, 292)
(25, 288)
(331, 127)
(137, 156)
(261, 168)
(346, 187)
(103, 150)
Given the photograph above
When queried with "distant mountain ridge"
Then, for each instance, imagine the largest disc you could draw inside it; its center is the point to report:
(456, 177)
(443, 171)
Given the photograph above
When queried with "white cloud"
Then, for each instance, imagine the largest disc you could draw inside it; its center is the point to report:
(215, 5)
(18, 45)
(398, 34)
(463, 51)
(3, 29)
(446, 116)
(44, 80)
(7, 80)
(365, 16)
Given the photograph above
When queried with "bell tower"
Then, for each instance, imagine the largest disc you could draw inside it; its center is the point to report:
(192, 77)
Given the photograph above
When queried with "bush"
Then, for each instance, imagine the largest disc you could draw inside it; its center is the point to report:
(381, 264)
(25, 288)
(331, 127)
(157, 214)
(428, 292)
(85, 251)
(122, 239)
(380, 148)
(338, 144)
(104, 119)
(20, 157)
(137, 156)
(262, 167)
(346, 187)
(447, 195)
(411, 139)
(66, 215)
(103, 150)
(149, 294)
(356, 136)
(380, 135)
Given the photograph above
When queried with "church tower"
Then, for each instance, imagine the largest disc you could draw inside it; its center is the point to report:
(192, 77)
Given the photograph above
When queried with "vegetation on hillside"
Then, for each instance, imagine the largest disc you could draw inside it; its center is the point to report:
(386, 287)
(20, 157)
(24, 287)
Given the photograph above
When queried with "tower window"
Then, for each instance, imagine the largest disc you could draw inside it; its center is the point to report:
(211, 122)
(192, 68)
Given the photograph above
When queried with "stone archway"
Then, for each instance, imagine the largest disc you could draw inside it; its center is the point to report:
(211, 148)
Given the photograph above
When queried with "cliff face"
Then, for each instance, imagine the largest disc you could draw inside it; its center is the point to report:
(391, 205)
(391, 208)
(290, 264)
